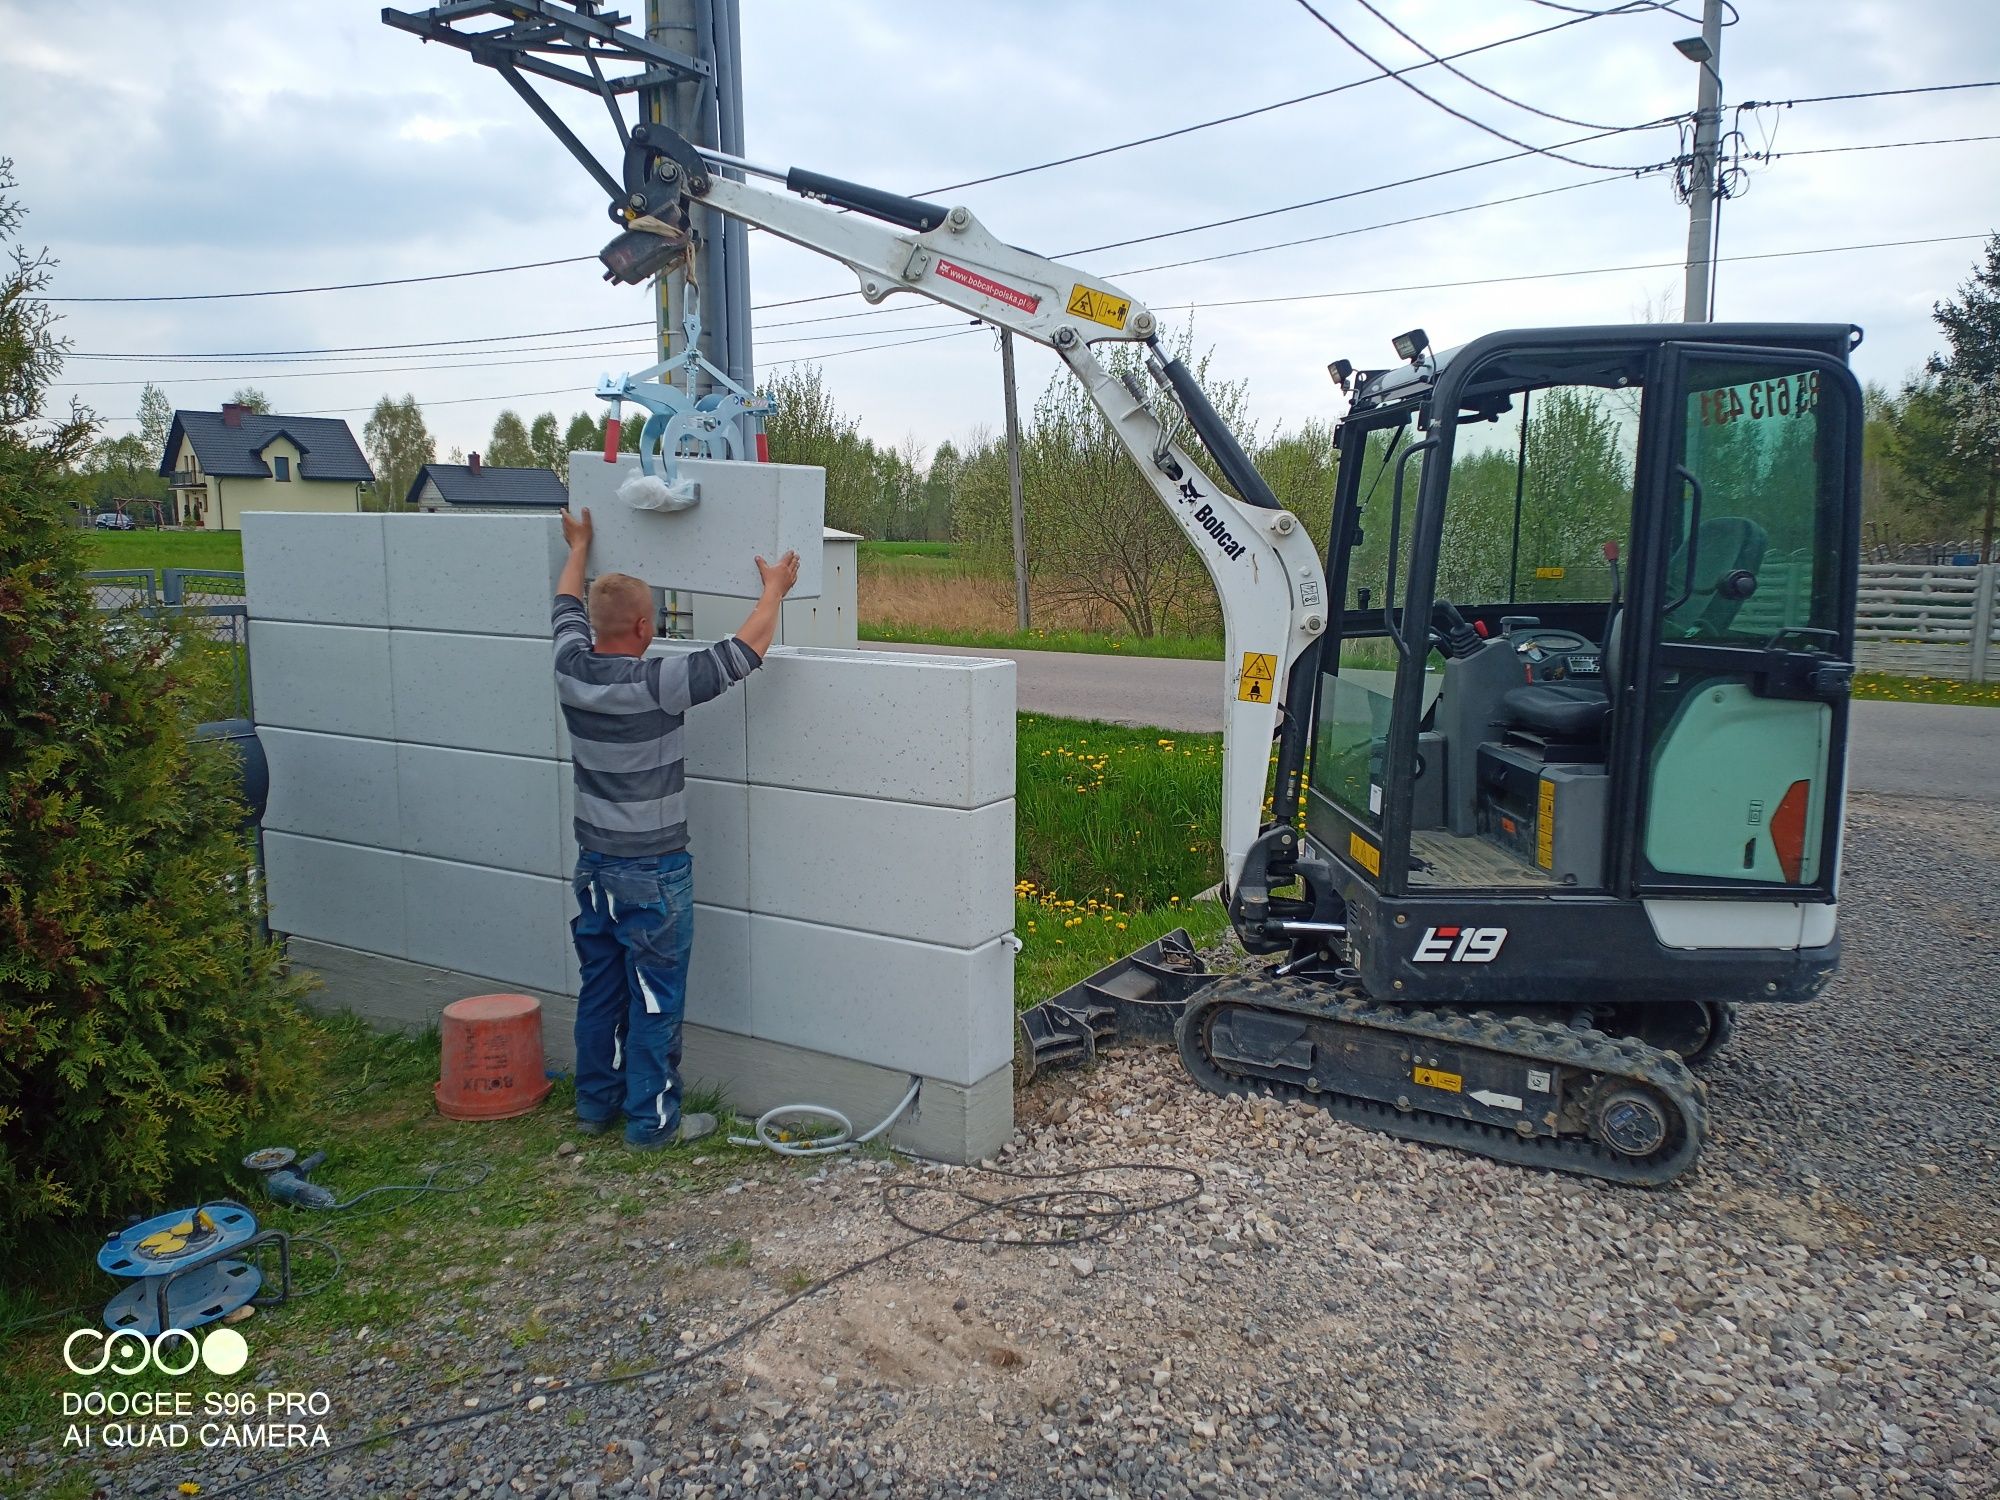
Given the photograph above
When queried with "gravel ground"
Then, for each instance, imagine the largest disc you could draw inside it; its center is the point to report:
(1812, 1311)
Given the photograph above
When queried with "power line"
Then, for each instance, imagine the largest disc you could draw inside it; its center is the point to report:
(476, 358)
(570, 390)
(345, 286)
(1437, 286)
(1257, 301)
(1633, 7)
(1934, 88)
(1466, 77)
(1340, 234)
(1950, 140)
(1459, 114)
(1380, 187)
(1263, 109)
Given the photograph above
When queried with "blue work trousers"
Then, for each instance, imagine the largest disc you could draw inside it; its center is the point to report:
(634, 929)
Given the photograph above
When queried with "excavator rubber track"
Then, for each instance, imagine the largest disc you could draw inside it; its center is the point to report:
(1531, 1093)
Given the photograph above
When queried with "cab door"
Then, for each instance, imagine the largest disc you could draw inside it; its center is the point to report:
(1741, 631)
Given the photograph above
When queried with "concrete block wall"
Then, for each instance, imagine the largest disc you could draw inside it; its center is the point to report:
(851, 816)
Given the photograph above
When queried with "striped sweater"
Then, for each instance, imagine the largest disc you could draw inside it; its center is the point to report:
(624, 716)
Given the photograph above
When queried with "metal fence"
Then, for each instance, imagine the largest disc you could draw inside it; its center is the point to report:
(210, 603)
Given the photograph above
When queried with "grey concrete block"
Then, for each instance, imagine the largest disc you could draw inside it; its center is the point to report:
(318, 569)
(949, 1122)
(936, 729)
(337, 893)
(474, 692)
(746, 510)
(509, 927)
(333, 679)
(332, 786)
(481, 808)
(943, 1012)
(719, 992)
(933, 874)
(481, 574)
(718, 838)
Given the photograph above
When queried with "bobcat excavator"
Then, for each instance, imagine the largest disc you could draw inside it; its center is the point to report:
(1560, 704)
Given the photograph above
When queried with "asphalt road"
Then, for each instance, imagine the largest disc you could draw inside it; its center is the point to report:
(1909, 749)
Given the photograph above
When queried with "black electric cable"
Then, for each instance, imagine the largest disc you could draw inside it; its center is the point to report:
(1554, 153)
(1081, 1214)
(345, 286)
(1263, 109)
(1634, 7)
(1488, 89)
(1952, 140)
(1932, 88)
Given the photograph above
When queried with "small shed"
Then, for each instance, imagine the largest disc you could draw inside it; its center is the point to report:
(483, 489)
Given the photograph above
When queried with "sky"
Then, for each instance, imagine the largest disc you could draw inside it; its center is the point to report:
(214, 146)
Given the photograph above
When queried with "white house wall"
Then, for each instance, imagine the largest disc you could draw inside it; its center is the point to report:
(851, 821)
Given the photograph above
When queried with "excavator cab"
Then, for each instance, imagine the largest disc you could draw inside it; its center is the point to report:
(1574, 741)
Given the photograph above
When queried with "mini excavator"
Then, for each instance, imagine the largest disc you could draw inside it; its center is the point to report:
(1560, 704)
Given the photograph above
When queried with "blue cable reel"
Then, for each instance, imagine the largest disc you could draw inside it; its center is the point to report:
(185, 1267)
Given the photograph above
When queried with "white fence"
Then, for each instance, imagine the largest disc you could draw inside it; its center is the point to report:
(1929, 621)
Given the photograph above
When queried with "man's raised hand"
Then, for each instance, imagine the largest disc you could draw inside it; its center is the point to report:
(576, 532)
(780, 576)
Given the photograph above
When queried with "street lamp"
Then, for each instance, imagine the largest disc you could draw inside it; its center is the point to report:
(1704, 206)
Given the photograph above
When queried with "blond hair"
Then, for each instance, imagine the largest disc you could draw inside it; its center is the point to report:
(616, 599)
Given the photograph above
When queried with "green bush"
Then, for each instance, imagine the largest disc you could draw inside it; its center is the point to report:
(140, 1013)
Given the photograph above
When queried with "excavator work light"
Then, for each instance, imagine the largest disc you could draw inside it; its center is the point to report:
(1411, 345)
(1342, 371)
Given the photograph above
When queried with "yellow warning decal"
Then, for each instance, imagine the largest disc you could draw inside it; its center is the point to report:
(1545, 825)
(1550, 572)
(1431, 1078)
(1364, 854)
(1258, 681)
(1099, 307)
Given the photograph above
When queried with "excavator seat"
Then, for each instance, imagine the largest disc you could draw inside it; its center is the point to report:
(1566, 711)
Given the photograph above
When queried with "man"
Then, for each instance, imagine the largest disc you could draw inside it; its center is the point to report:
(634, 924)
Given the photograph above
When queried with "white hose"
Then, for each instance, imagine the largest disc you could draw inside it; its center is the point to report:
(842, 1139)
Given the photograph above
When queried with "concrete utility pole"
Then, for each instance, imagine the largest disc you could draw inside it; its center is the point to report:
(1705, 177)
(1014, 482)
(708, 114)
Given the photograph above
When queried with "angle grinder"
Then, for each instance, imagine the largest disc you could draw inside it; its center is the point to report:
(287, 1179)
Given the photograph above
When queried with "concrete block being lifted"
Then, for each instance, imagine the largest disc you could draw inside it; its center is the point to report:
(319, 569)
(943, 1012)
(475, 692)
(482, 808)
(936, 729)
(332, 786)
(932, 874)
(746, 510)
(336, 893)
(333, 679)
(499, 924)
(480, 574)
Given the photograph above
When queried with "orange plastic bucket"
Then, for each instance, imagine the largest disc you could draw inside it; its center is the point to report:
(491, 1067)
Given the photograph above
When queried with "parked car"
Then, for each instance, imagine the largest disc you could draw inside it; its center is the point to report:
(111, 520)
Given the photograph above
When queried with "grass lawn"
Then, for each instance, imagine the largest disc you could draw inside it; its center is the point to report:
(1891, 689)
(1117, 829)
(1198, 648)
(221, 550)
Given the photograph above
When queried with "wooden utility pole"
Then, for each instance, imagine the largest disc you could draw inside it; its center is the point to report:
(1014, 483)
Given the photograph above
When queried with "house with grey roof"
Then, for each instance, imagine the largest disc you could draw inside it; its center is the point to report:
(223, 463)
(474, 486)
